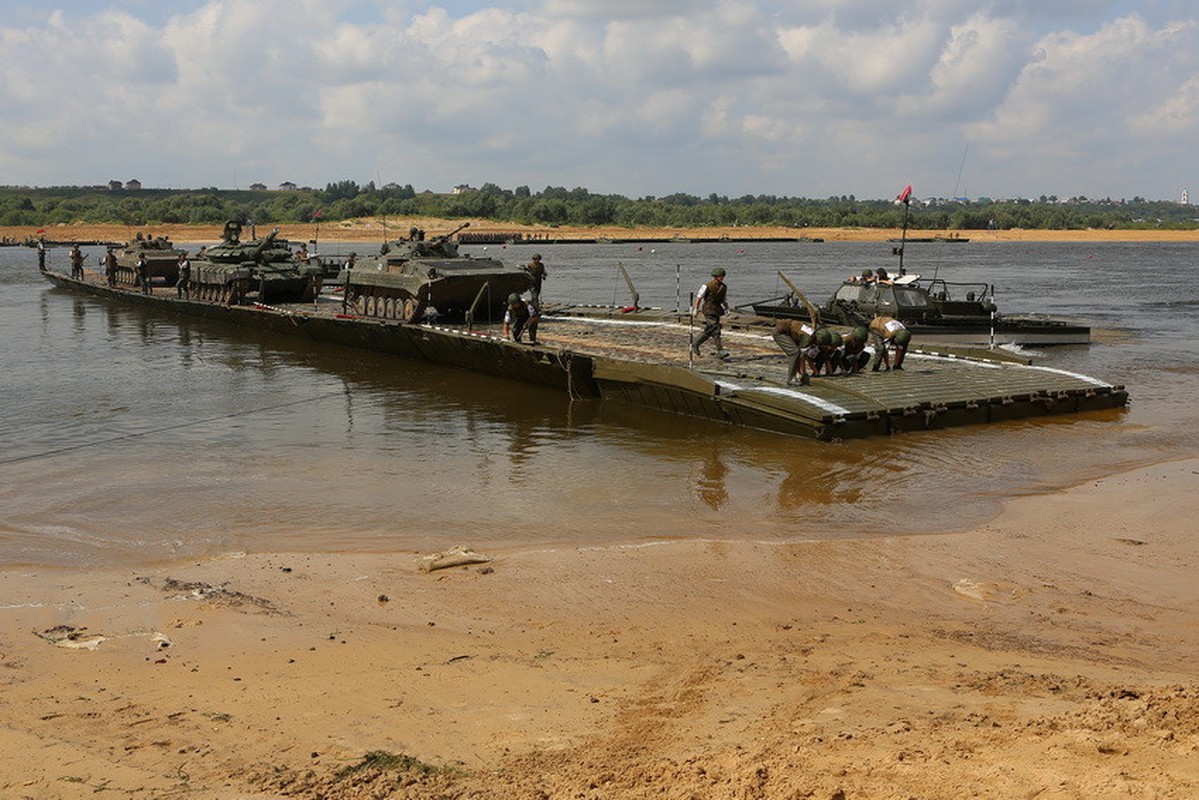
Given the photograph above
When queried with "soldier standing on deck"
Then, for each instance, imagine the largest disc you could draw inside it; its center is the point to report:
(143, 278)
(536, 270)
(41, 254)
(183, 285)
(76, 262)
(110, 267)
(711, 301)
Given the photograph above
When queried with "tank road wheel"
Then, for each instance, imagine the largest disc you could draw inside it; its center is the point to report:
(414, 310)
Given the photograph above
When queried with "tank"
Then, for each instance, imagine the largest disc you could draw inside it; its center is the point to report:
(230, 271)
(412, 277)
(162, 260)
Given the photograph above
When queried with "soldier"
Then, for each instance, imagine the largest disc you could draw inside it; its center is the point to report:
(141, 274)
(302, 254)
(537, 272)
(853, 350)
(828, 352)
(76, 262)
(183, 285)
(110, 267)
(711, 301)
(885, 332)
(521, 317)
(795, 339)
(41, 253)
(350, 261)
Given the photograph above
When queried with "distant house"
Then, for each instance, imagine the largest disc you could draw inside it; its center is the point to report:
(258, 187)
(115, 186)
(133, 184)
(287, 186)
(463, 187)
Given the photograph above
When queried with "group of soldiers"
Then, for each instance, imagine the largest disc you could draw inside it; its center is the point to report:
(811, 349)
(140, 270)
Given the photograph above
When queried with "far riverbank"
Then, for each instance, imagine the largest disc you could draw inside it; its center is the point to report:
(359, 230)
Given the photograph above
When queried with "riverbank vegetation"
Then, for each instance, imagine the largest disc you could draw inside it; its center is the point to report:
(557, 206)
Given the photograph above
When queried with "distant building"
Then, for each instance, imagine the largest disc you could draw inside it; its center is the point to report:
(133, 184)
(287, 186)
(258, 187)
(463, 187)
(1186, 201)
(115, 186)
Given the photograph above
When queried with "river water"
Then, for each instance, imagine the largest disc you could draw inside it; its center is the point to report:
(129, 436)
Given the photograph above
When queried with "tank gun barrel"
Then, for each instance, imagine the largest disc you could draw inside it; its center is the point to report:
(262, 246)
(446, 237)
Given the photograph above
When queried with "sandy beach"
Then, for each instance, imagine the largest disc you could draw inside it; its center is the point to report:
(379, 230)
(1048, 654)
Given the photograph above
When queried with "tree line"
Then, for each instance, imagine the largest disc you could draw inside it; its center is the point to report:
(555, 206)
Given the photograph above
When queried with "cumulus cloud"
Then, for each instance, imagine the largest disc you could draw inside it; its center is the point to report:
(726, 96)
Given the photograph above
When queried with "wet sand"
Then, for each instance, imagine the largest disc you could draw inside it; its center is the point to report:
(378, 230)
(1048, 653)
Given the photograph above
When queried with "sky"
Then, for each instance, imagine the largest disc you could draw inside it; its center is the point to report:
(798, 98)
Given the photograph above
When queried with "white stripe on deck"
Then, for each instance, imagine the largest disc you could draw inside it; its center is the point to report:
(794, 394)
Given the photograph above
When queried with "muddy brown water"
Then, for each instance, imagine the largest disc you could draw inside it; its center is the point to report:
(129, 436)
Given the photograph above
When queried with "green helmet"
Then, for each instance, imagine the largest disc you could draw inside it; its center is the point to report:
(513, 298)
(718, 272)
(860, 334)
(824, 336)
(537, 256)
(902, 337)
(835, 339)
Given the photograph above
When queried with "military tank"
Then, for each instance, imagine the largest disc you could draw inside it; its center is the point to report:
(229, 271)
(162, 260)
(412, 276)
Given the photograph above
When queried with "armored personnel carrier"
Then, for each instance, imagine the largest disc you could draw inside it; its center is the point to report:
(411, 276)
(162, 260)
(229, 271)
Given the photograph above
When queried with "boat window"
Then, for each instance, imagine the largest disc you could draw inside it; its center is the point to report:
(850, 293)
(911, 298)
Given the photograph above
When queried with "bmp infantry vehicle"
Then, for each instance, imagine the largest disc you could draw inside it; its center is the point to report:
(162, 260)
(411, 276)
(229, 271)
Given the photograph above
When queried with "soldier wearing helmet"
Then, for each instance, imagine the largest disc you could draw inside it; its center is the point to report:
(888, 333)
(521, 317)
(797, 340)
(712, 302)
(854, 355)
(536, 270)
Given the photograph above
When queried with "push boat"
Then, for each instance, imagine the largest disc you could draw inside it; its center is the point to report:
(640, 356)
(934, 310)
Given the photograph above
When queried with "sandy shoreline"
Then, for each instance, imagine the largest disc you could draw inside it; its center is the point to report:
(376, 230)
(1049, 654)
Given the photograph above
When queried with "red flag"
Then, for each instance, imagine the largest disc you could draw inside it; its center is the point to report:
(905, 195)
(41, 230)
(316, 214)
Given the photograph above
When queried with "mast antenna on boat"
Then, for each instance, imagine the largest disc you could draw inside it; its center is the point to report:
(961, 167)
